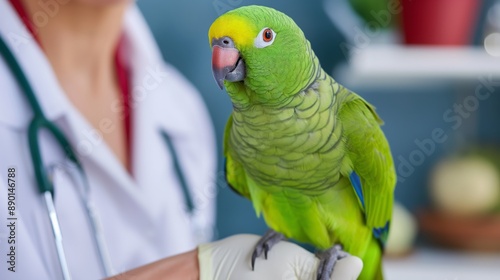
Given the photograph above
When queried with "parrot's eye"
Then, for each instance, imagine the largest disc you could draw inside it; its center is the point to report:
(267, 35)
(265, 38)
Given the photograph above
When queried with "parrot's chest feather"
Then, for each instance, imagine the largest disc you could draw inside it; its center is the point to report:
(299, 141)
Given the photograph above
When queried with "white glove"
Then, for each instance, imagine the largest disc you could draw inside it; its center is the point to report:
(230, 258)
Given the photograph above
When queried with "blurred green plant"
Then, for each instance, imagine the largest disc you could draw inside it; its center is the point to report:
(371, 12)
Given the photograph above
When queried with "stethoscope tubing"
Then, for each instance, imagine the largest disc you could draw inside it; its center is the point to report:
(45, 184)
(56, 230)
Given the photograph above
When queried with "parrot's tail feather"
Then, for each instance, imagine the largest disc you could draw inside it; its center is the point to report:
(372, 262)
(380, 273)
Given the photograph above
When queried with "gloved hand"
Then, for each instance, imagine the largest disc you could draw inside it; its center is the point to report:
(229, 258)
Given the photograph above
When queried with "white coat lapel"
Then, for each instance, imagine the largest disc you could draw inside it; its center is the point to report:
(151, 94)
(156, 108)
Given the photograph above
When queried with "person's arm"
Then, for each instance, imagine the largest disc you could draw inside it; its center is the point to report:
(229, 258)
(183, 266)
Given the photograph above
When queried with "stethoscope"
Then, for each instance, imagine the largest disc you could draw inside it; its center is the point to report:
(73, 167)
(45, 182)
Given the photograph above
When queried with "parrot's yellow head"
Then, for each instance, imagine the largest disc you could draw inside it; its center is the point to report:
(240, 29)
(260, 50)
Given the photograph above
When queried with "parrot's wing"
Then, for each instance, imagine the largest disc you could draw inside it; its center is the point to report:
(373, 178)
(234, 172)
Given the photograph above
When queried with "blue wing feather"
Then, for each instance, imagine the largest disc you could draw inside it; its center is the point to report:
(380, 233)
(356, 183)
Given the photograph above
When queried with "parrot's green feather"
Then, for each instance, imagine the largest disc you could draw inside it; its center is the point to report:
(296, 137)
(235, 174)
(371, 159)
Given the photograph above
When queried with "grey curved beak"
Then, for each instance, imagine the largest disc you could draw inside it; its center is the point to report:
(227, 63)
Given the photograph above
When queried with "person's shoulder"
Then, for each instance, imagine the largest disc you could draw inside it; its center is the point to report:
(179, 85)
(180, 97)
(181, 91)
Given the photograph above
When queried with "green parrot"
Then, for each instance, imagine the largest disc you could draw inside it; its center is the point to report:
(306, 151)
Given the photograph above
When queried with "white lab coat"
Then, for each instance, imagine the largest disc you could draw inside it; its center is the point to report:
(143, 218)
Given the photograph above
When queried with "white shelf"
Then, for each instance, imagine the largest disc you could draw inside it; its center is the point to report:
(433, 264)
(387, 64)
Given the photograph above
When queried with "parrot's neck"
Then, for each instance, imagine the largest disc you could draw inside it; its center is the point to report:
(273, 91)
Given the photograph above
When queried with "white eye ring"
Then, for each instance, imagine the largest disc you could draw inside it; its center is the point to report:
(259, 40)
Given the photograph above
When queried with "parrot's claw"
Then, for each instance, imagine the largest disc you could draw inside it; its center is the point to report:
(328, 259)
(265, 244)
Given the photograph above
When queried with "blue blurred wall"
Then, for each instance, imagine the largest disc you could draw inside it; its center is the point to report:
(410, 113)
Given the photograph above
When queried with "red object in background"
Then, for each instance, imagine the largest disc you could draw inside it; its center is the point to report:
(439, 22)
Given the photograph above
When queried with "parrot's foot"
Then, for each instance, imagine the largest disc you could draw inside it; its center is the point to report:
(328, 259)
(265, 244)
